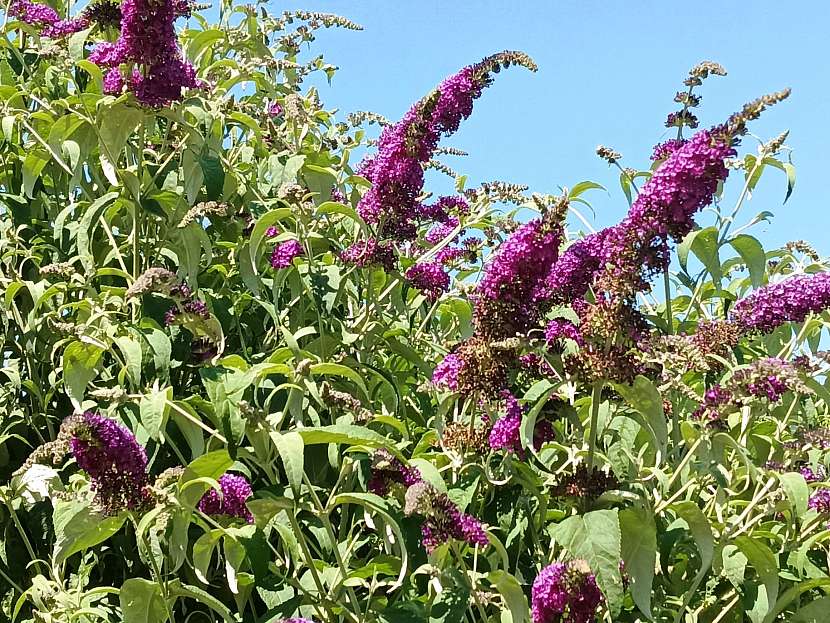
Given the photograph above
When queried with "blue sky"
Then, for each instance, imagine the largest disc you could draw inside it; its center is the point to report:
(607, 74)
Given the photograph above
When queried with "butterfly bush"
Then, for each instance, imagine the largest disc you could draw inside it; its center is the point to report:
(148, 39)
(790, 300)
(200, 281)
(564, 592)
(230, 500)
(115, 461)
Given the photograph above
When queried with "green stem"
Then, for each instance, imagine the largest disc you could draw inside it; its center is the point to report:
(165, 594)
(310, 562)
(23, 535)
(324, 517)
(669, 314)
(596, 394)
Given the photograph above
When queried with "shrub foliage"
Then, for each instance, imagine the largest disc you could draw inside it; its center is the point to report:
(249, 378)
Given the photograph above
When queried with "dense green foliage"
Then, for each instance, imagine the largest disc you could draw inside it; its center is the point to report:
(296, 376)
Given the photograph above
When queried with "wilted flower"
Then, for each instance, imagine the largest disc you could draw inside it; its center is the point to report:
(231, 501)
(370, 252)
(388, 471)
(443, 519)
(582, 484)
(565, 593)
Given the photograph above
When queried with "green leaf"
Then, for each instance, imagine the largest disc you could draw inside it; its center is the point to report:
(595, 537)
(581, 187)
(706, 248)
(214, 175)
(452, 602)
(766, 566)
(33, 166)
(130, 348)
(291, 448)
(813, 612)
(142, 602)
(80, 366)
(752, 253)
(179, 589)
(511, 591)
(797, 491)
(78, 527)
(203, 552)
(343, 434)
(115, 125)
(211, 465)
(86, 229)
(807, 614)
(336, 369)
(646, 399)
(704, 540)
(639, 551)
(153, 409)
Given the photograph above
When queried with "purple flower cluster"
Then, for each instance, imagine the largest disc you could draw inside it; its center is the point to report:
(284, 253)
(231, 501)
(34, 13)
(813, 475)
(430, 278)
(295, 620)
(791, 300)
(560, 328)
(338, 195)
(274, 109)
(443, 520)
(664, 150)
(446, 521)
(443, 208)
(115, 461)
(630, 252)
(505, 432)
(565, 593)
(521, 263)
(396, 171)
(820, 501)
(388, 471)
(193, 307)
(47, 19)
(442, 230)
(446, 372)
(148, 39)
(713, 399)
(370, 252)
(770, 387)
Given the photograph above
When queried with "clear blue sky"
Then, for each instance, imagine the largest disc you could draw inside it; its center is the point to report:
(607, 74)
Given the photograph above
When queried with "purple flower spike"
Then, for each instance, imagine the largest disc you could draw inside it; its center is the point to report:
(116, 463)
(565, 593)
(231, 502)
(791, 300)
(285, 252)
